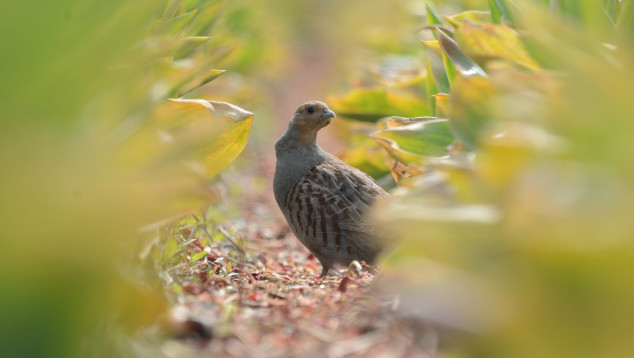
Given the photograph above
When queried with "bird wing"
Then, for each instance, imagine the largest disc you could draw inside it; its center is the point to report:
(331, 201)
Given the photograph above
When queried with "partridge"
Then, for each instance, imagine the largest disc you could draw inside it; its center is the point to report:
(325, 201)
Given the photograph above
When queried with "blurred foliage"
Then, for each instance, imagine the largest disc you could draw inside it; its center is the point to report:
(408, 142)
(91, 149)
(373, 104)
(368, 157)
(519, 231)
(520, 179)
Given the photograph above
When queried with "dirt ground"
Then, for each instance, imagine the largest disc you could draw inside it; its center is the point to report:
(264, 299)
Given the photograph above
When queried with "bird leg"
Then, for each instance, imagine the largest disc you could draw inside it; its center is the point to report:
(324, 272)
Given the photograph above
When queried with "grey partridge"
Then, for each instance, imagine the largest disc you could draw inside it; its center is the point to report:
(325, 201)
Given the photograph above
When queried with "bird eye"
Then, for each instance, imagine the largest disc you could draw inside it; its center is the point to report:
(310, 110)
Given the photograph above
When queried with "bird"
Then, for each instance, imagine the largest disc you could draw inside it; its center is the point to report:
(325, 201)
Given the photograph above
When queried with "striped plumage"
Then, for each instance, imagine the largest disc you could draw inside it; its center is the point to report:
(325, 201)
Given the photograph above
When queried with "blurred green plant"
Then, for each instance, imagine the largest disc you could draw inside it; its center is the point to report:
(91, 149)
(519, 231)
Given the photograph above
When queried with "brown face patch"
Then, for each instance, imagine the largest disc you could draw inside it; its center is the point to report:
(308, 117)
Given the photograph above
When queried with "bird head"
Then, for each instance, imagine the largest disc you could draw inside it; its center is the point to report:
(311, 117)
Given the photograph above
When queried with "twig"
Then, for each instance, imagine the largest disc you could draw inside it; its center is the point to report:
(228, 237)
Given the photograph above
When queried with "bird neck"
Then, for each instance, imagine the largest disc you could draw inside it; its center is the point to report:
(293, 138)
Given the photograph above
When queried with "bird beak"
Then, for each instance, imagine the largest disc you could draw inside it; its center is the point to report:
(328, 114)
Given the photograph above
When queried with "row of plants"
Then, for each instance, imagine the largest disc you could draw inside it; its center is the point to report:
(103, 135)
(513, 155)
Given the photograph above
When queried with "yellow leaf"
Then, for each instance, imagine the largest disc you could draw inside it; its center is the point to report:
(488, 41)
(442, 105)
(473, 16)
(373, 104)
(210, 134)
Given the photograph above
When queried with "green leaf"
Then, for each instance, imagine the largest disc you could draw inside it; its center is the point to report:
(469, 104)
(413, 142)
(188, 45)
(172, 7)
(367, 156)
(610, 8)
(370, 105)
(449, 68)
(178, 23)
(496, 12)
(170, 248)
(432, 16)
(198, 81)
(499, 11)
(434, 54)
(431, 87)
(463, 63)
(592, 13)
(177, 288)
(198, 256)
(625, 19)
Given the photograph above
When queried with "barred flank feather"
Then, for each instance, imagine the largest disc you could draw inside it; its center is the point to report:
(328, 205)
